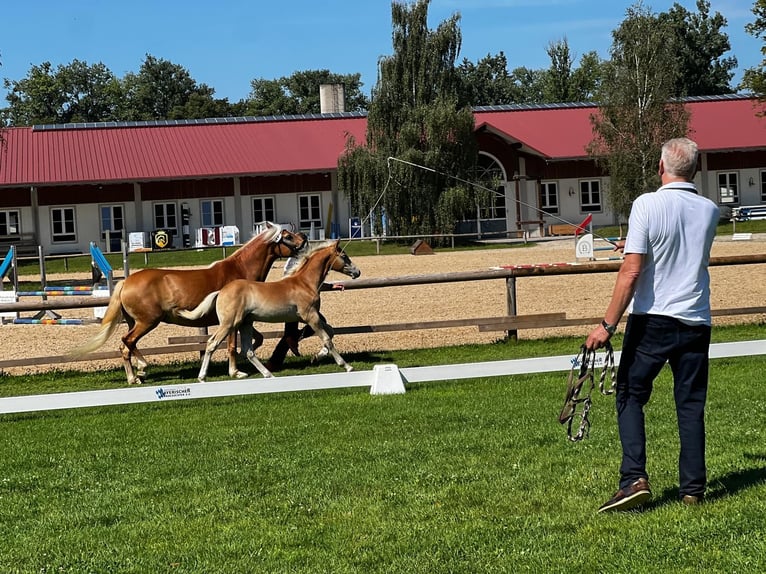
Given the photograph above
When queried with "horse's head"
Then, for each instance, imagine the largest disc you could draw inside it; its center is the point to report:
(342, 263)
(289, 243)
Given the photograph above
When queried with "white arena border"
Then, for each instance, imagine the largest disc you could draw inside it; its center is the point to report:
(383, 379)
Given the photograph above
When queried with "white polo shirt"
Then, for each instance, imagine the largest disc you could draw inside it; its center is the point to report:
(674, 228)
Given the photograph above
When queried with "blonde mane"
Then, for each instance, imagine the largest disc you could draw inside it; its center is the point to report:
(304, 254)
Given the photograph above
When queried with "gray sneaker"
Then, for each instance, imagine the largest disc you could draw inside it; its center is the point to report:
(633, 495)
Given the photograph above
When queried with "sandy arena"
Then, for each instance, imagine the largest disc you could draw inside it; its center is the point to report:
(577, 295)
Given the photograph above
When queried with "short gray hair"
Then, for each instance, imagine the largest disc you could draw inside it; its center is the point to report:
(679, 156)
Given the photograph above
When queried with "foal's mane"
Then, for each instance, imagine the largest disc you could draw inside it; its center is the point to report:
(304, 255)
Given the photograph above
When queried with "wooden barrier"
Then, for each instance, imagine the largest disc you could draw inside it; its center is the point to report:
(561, 229)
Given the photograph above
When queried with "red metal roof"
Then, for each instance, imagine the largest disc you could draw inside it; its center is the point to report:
(150, 152)
(156, 150)
(564, 132)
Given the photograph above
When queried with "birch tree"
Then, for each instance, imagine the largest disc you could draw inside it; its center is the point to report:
(637, 113)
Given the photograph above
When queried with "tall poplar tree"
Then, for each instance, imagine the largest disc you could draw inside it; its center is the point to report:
(415, 116)
(637, 113)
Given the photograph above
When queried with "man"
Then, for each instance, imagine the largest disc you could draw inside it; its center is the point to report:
(664, 276)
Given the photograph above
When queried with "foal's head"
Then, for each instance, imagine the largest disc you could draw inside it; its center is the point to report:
(343, 264)
(340, 262)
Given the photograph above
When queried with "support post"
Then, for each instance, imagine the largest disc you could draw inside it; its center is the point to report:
(510, 289)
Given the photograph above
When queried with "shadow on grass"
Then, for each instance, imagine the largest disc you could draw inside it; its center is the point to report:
(724, 486)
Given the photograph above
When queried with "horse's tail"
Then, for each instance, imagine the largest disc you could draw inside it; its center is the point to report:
(200, 310)
(109, 323)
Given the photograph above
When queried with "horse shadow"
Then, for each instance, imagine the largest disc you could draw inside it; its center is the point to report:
(723, 486)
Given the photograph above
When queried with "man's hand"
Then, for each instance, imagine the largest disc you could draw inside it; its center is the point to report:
(597, 338)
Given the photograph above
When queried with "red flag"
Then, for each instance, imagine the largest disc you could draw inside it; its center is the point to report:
(582, 227)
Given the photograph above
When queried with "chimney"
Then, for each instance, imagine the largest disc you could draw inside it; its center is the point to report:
(332, 99)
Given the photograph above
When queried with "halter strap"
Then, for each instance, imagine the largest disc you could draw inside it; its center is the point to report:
(582, 372)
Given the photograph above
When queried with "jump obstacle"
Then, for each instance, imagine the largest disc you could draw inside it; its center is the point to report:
(100, 267)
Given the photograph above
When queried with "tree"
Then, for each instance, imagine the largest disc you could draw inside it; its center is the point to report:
(299, 93)
(754, 78)
(487, 83)
(636, 114)
(562, 82)
(162, 90)
(77, 92)
(415, 116)
(700, 46)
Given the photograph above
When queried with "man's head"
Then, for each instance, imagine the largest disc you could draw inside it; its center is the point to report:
(678, 160)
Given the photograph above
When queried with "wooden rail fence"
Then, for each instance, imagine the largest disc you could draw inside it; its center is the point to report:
(510, 322)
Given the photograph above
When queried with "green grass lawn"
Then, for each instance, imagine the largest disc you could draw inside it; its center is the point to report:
(469, 476)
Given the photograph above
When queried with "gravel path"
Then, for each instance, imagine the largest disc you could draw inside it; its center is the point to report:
(577, 295)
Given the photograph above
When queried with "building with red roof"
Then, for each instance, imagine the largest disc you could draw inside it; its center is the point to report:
(63, 186)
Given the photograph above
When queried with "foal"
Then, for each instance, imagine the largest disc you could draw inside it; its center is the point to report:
(292, 298)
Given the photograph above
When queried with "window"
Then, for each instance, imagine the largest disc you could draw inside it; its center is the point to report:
(727, 187)
(549, 197)
(63, 225)
(590, 195)
(263, 209)
(9, 224)
(763, 186)
(165, 216)
(112, 224)
(489, 174)
(309, 211)
(211, 213)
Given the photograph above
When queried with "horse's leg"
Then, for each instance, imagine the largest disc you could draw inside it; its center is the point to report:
(212, 344)
(323, 330)
(128, 349)
(232, 349)
(253, 334)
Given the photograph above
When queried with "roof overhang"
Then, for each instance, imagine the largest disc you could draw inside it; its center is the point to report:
(486, 127)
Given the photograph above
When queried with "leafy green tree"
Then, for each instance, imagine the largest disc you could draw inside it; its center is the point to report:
(563, 82)
(700, 47)
(487, 83)
(415, 117)
(162, 90)
(299, 93)
(754, 78)
(637, 113)
(77, 92)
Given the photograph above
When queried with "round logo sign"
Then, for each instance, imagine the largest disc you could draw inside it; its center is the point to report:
(161, 239)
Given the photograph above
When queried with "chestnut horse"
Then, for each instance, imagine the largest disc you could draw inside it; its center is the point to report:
(292, 298)
(152, 296)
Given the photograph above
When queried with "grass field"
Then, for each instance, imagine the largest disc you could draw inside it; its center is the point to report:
(470, 476)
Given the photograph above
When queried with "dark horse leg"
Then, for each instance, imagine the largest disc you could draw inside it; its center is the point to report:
(289, 341)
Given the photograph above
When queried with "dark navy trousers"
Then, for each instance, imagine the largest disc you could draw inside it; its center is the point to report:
(650, 341)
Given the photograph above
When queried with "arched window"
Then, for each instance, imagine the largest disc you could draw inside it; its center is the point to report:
(490, 174)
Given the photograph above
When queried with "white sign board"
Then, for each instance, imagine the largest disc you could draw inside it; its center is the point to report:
(8, 297)
(99, 312)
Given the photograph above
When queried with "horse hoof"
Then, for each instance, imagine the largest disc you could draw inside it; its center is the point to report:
(349, 368)
(240, 375)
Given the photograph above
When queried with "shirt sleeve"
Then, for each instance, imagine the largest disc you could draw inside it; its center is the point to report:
(637, 240)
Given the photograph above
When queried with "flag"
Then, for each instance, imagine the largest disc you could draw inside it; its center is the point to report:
(585, 223)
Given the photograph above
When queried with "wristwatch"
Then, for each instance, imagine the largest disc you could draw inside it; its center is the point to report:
(611, 329)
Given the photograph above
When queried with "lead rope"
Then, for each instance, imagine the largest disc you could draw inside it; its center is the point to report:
(582, 372)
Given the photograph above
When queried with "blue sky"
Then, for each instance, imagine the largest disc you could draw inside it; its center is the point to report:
(227, 43)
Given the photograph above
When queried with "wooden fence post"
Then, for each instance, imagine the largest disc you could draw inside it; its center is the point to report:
(510, 289)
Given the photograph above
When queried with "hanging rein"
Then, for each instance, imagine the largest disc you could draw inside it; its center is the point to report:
(582, 375)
